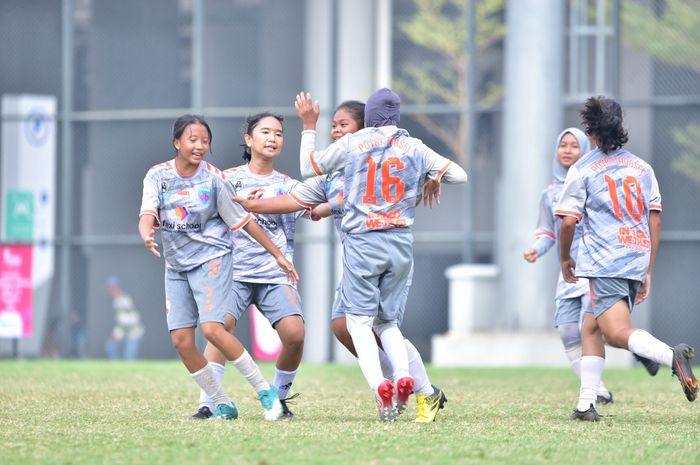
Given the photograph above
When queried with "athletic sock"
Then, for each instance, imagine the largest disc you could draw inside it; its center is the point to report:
(360, 330)
(421, 381)
(603, 390)
(645, 345)
(250, 371)
(206, 380)
(283, 381)
(204, 399)
(385, 363)
(574, 356)
(395, 348)
(591, 375)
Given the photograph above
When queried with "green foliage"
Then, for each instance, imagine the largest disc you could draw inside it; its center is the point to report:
(688, 163)
(97, 412)
(672, 37)
(441, 27)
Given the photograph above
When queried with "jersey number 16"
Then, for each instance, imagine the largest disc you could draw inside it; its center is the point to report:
(388, 181)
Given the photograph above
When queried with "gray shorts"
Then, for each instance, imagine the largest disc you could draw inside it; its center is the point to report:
(202, 293)
(606, 292)
(275, 301)
(570, 310)
(376, 271)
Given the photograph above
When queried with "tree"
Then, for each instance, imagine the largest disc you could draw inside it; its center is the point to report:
(671, 36)
(440, 26)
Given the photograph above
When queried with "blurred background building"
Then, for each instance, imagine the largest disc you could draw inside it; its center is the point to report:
(488, 83)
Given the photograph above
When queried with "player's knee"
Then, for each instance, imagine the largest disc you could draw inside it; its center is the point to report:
(181, 341)
(381, 327)
(358, 322)
(341, 333)
(570, 335)
(214, 332)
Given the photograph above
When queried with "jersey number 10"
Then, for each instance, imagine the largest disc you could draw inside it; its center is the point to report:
(388, 181)
(634, 211)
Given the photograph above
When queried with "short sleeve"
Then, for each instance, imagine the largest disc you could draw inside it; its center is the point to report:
(440, 168)
(150, 199)
(573, 196)
(655, 195)
(231, 212)
(309, 193)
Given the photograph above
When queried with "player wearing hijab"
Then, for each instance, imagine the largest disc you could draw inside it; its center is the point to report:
(384, 172)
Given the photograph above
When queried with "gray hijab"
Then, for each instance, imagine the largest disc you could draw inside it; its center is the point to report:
(382, 109)
(558, 170)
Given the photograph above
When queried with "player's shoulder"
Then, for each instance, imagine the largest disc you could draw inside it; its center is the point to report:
(160, 167)
(213, 171)
(233, 171)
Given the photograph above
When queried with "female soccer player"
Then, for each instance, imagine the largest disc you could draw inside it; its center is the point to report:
(616, 197)
(191, 203)
(384, 171)
(324, 195)
(571, 144)
(256, 277)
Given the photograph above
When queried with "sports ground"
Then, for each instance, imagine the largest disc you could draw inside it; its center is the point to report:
(99, 412)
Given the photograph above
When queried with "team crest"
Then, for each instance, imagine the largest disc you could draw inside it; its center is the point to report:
(204, 194)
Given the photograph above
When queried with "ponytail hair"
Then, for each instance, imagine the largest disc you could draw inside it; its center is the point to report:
(602, 119)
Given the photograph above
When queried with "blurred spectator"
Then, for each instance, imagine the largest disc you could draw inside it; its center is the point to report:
(126, 335)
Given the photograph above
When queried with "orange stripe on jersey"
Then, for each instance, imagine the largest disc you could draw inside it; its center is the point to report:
(245, 221)
(568, 213)
(545, 234)
(655, 206)
(154, 214)
(442, 171)
(215, 170)
(313, 164)
(301, 202)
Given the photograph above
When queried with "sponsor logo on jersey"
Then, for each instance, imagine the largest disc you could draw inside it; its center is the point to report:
(183, 193)
(268, 223)
(633, 239)
(163, 186)
(181, 213)
(204, 194)
(385, 220)
(238, 185)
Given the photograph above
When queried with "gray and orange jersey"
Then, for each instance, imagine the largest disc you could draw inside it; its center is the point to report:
(322, 189)
(252, 262)
(384, 173)
(611, 195)
(547, 235)
(194, 213)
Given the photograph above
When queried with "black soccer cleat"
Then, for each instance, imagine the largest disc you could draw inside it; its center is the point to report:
(202, 414)
(605, 400)
(682, 354)
(589, 415)
(651, 366)
(286, 413)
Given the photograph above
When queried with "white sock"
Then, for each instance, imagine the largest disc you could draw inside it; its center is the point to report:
(591, 375)
(385, 363)
(647, 346)
(360, 329)
(395, 348)
(250, 371)
(421, 382)
(603, 391)
(204, 399)
(208, 383)
(283, 381)
(574, 356)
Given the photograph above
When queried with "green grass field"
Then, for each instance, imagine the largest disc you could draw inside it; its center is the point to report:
(97, 412)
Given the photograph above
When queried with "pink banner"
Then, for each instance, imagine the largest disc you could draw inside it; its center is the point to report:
(266, 342)
(15, 291)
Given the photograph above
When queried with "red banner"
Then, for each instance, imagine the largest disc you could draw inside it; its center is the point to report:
(15, 291)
